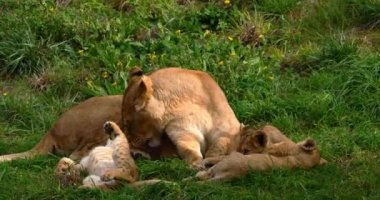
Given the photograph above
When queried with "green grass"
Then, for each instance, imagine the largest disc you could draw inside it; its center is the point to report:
(311, 68)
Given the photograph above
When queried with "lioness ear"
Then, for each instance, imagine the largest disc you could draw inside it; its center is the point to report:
(308, 145)
(134, 75)
(135, 71)
(143, 93)
(260, 139)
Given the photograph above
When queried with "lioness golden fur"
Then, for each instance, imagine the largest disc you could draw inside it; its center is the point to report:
(188, 105)
(79, 130)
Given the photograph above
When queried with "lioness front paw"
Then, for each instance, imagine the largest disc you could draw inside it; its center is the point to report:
(197, 166)
(207, 163)
(137, 154)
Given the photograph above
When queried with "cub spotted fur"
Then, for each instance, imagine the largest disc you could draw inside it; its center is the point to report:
(79, 130)
(188, 105)
(304, 154)
(106, 165)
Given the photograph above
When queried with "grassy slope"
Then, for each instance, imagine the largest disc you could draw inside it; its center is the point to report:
(311, 69)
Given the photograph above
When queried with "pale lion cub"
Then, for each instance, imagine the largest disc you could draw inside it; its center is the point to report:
(106, 165)
(186, 104)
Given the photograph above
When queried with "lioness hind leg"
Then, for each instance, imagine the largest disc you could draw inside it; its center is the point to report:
(118, 174)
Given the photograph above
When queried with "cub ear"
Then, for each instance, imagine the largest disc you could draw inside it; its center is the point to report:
(308, 145)
(143, 93)
(260, 139)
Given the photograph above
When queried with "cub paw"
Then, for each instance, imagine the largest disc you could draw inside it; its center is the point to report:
(107, 176)
(108, 127)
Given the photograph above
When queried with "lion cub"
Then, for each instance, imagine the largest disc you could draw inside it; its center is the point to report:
(261, 140)
(267, 148)
(106, 165)
(304, 154)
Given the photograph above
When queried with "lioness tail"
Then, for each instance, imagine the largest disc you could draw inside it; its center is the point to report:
(44, 146)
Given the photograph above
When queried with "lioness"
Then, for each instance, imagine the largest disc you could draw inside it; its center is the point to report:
(304, 154)
(188, 105)
(80, 129)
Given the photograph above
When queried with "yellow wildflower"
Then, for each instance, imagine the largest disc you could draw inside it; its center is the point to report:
(230, 38)
(207, 32)
(227, 2)
(178, 32)
(81, 52)
(271, 78)
(105, 74)
(5, 93)
(90, 84)
(261, 36)
(221, 62)
(152, 56)
(119, 63)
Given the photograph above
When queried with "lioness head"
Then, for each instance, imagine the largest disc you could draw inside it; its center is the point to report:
(141, 111)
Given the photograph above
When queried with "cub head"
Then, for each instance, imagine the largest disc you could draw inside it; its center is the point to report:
(252, 141)
(67, 174)
(141, 110)
(64, 166)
